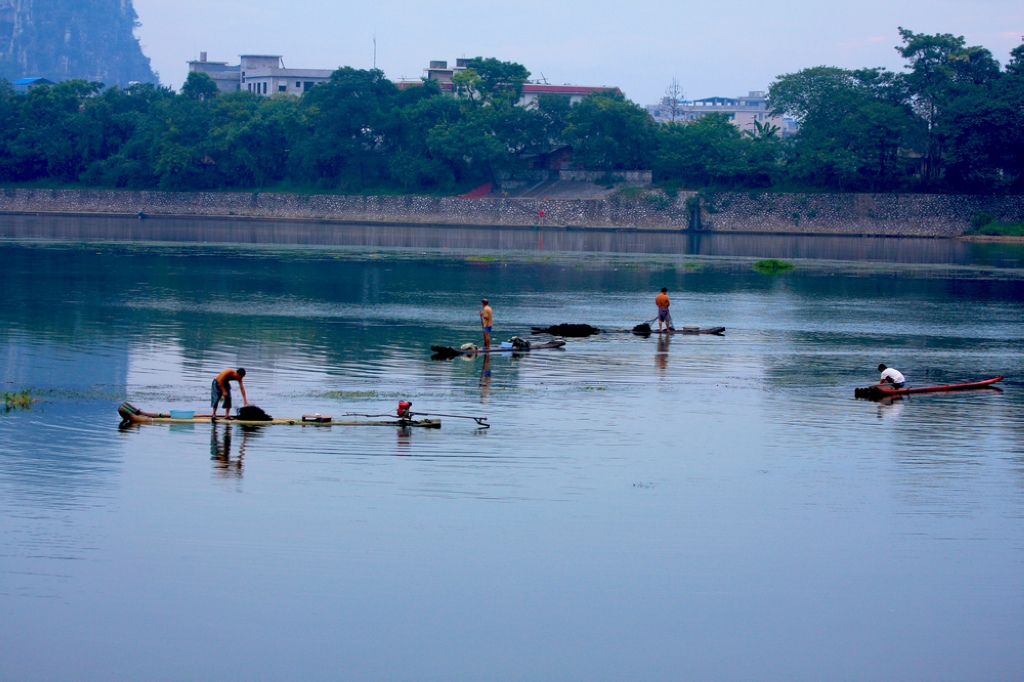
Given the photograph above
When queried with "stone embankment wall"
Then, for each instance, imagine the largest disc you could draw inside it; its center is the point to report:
(636, 208)
(928, 215)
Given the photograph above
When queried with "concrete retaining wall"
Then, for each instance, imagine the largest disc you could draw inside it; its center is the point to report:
(867, 214)
(931, 215)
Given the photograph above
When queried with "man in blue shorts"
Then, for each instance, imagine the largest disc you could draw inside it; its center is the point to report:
(486, 321)
(220, 389)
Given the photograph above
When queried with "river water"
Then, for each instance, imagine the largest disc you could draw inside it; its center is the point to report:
(710, 507)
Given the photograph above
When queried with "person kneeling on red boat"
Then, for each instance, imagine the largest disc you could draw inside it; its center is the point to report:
(891, 376)
(220, 389)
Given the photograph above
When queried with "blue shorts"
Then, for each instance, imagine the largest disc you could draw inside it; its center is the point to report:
(216, 395)
(662, 313)
(488, 329)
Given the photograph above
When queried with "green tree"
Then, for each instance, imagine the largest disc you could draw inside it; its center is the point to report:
(345, 119)
(185, 152)
(608, 132)
(1010, 91)
(491, 81)
(469, 146)
(133, 126)
(554, 111)
(857, 128)
(706, 151)
(200, 86)
(942, 68)
(412, 163)
(257, 147)
(45, 144)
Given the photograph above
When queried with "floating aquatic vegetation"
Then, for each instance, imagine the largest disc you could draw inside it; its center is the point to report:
(19, 400)
(773, 266)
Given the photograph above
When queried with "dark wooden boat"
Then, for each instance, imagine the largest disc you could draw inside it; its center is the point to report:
(442, 352)
(879, 391)
(132, 415)
(646, 330)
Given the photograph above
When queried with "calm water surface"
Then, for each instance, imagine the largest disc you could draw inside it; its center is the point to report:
(706, 508)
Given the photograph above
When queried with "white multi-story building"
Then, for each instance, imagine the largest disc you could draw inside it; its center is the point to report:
(742, 111)
(262, 74)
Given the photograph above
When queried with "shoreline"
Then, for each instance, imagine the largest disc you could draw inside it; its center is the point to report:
(994, 239)
(648, 211)
(477, 226)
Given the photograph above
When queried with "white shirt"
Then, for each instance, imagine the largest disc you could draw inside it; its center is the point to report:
(893, 375)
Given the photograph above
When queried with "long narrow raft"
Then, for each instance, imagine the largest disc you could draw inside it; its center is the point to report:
(882, 391)
(639, 330)
(691, 330)
(132, 415)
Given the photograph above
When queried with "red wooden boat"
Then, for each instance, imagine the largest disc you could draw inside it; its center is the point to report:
(885, 390)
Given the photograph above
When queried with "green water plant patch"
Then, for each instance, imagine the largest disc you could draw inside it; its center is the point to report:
(773, 266)
(18, 400)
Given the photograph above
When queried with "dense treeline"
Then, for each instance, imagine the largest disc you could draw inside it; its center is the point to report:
(953, 121)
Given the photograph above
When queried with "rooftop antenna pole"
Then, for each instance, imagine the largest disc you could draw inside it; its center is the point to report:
(375, 50)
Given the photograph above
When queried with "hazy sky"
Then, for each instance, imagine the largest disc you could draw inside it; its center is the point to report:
(713, 47)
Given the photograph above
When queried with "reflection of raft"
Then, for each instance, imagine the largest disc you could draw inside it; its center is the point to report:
(132, 415)
(443, 352)
(880, 391)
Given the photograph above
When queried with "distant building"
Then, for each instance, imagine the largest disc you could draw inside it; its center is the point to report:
(438, 70)
(26, 84)
(227, 78)
(262, 74)
(742, 111)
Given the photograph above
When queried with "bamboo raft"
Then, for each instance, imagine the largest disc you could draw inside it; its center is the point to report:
(132, 415)
(646, 330)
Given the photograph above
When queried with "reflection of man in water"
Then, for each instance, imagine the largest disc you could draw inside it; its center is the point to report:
(890, 408)
(485, 379)
(661, 357)
(220, 451)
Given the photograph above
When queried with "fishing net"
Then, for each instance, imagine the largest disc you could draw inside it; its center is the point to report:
(251, 413)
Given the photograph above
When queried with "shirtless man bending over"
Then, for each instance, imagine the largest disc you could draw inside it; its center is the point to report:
(220, 389)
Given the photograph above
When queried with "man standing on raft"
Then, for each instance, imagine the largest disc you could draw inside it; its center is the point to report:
(661, 300)
(486, 321)
(220, 389)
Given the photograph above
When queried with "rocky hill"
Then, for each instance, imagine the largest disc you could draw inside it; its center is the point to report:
(63, 39)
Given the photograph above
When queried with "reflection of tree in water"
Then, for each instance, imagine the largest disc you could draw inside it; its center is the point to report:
(221, 448)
